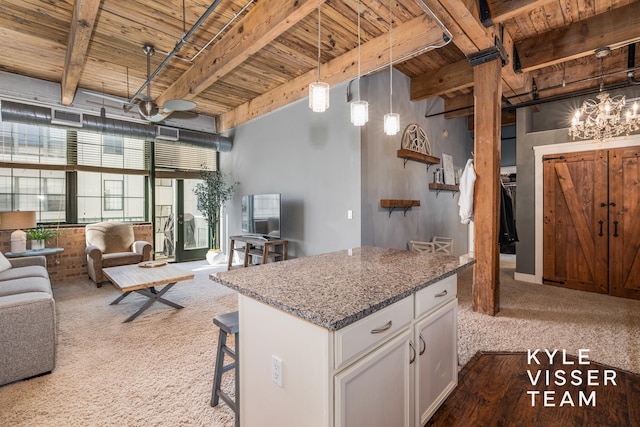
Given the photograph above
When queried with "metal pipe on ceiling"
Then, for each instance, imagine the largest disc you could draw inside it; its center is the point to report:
(446, 36)
(175, 50)
(41, 116)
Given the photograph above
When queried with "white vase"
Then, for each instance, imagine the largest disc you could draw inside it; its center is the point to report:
(216, 257)
(37, 245)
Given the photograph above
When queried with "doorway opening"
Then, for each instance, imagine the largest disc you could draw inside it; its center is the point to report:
(181, 232)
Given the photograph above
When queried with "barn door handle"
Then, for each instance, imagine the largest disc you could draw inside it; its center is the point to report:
(600, 222)
(603, 204)
(615, 229)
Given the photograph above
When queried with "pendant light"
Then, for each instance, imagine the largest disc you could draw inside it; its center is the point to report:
(359, 109)
(319, 91)
(391, 120)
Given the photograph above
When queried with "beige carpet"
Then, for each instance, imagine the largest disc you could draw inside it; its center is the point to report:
(154, 371)
(548, 317)
(158, 369)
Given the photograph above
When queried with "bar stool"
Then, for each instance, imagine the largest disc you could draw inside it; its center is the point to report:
(228, 324)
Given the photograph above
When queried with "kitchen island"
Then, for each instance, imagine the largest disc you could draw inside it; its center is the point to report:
(364, 336)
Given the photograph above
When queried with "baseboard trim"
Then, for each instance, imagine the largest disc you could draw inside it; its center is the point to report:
(522, 277)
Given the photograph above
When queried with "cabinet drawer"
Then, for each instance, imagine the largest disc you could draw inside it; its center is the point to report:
(356, 339)
(436, 294)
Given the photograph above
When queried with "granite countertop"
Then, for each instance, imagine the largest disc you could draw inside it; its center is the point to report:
(335, 289)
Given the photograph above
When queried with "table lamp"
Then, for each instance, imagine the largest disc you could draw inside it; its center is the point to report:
(16, 221)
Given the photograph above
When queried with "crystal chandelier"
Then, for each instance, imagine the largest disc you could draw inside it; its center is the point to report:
(319, 91)
(603, 119)
(391, 120)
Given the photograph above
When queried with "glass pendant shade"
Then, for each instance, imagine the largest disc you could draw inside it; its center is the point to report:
(319, 96)
(391, 123)
(359, 112)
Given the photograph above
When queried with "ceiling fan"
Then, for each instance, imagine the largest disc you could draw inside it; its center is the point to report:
(147, 107)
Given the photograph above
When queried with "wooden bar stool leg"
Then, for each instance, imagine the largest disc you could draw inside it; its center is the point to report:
(217, 378)
(237, 374)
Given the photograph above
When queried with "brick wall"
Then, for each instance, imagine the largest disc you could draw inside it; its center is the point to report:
(72, 263)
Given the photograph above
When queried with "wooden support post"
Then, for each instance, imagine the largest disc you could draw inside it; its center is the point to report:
(487, 99)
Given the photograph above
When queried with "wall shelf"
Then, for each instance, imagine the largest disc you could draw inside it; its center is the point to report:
(444, 187)
(392, 204)
(418, 157)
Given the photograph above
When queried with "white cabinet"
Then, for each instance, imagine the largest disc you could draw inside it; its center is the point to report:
(436, 367)
(376, 391)
(391, 368)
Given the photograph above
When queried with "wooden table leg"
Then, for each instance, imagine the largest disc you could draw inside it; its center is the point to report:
(247, 246)
(231, 246)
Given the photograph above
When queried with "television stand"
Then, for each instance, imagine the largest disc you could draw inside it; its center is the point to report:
(259, 247)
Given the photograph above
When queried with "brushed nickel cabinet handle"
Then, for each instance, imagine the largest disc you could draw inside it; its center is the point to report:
(441, 294)
(423, 345)
(413, 350)
(383, 328)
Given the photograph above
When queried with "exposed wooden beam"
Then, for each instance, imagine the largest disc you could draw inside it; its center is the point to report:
(614, 28)
(449, 78)
(501, 10)
(408, 38)
(470, 36)
(84, 18)
(467, 16)
(486, 278)
(264, 23)
(458, 106)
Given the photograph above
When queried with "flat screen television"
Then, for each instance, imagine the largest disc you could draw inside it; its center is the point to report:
(261, 215)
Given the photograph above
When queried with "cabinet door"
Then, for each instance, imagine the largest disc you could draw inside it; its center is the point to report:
(375, 390)
(437, 360)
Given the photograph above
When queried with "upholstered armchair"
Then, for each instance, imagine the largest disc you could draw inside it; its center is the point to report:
(110, 244)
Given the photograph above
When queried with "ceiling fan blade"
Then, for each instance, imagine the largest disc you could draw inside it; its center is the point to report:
(157, 118)
(178, 105)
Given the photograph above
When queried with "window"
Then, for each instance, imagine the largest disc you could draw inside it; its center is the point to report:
(113, 195)
(42, 191)
(112, 144)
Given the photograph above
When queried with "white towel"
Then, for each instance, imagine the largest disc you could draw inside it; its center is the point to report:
(467, 182)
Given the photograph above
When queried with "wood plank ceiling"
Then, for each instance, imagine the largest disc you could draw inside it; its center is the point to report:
(248, 58)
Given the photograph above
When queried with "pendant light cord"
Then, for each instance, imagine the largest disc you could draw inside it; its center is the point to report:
(358, 50)
(390, 59)
(319, 20)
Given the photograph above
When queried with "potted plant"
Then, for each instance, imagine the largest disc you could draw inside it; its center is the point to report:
(213, 192)
(38, 236)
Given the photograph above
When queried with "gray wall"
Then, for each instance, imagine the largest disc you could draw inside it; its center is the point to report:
(313, 160)
(321, 167)
(384, 175)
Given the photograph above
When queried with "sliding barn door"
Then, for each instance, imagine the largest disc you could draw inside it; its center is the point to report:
(624, 211)
(576, 221)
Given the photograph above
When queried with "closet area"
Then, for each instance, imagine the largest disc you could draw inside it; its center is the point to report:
(591, 231)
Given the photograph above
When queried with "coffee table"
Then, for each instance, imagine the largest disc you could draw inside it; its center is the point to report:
(143, 279)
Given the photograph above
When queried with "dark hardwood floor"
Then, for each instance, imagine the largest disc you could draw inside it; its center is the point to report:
(495, 389)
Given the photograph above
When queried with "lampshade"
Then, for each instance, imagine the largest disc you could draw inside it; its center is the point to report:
(359, 112)
(17, 220)
(319, 96)
(391, 123)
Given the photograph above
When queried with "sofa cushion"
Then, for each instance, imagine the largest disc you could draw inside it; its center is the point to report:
(110, 236)
(20, 286)
(21, 272)
(4, 263)
(120, 258)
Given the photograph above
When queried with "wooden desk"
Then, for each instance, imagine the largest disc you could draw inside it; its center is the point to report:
(252, 245)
